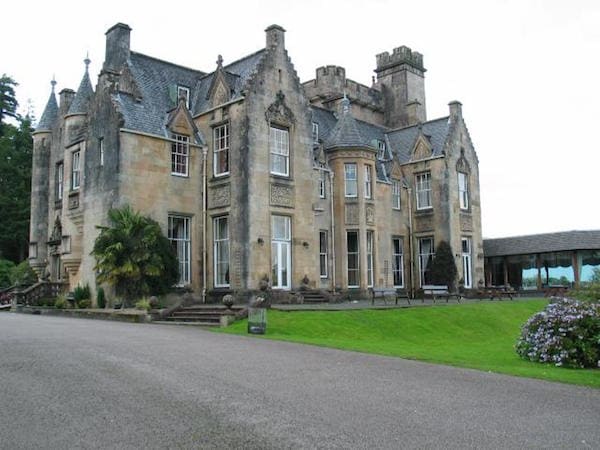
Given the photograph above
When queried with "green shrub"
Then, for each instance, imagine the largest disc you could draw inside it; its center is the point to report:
(100, 298)
(566, 333)
(6, 268)
(85, 303)
(443, 267)
(61, 302)
(81, 293)
(23, 274)
(589, 293)
(143, 304)
(49, 302)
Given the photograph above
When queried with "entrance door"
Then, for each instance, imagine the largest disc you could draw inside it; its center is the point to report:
(281, 258)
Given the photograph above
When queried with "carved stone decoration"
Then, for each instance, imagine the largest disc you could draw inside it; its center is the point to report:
(282, 195)
(424, 223)
(74, 200)
(219, 197)
(370, 214)
(466, 222)
(56, 235)
(352, 214)
(279, 112)
(422, 150)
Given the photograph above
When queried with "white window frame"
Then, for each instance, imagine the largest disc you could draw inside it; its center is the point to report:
(322, 184)
(183, 246)
(368, 182)
(396, 194)
(370, 258)
(315, 133)
(60, 181)
(323, 260)
(279, 147)
(76, 170)
(219, 243)
(463, 190)
(467, 262)
(355, 254)
(180, 155)
(380, 149)
(425, 256)
(186, 91)
(278, 243)
(423, 190)
(220, 145)
(398, 261)
(349, 182)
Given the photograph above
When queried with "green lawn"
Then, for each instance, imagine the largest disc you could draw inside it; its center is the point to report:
(478, 335)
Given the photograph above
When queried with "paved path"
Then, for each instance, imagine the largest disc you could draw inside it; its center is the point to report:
(75, 383)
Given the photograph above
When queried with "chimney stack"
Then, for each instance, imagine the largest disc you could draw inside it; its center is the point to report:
(117, 47)
(66, 97)
(275, 37)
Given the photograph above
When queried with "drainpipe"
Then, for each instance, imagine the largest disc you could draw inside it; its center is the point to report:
(410, 243)
(332, 231)
(204, 196)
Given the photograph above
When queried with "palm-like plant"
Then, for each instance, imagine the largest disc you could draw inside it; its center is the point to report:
(134, 256)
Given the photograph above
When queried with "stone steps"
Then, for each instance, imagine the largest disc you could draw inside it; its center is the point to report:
(313, 297)
(206, 315)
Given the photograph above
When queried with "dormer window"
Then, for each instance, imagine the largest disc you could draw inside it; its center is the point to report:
(184, 92)
(380, 149)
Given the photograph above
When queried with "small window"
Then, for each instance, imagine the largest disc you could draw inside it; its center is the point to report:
(75, 170)
(184, 92)
(279, 145)
(221, 150)
(380, 150)
(396, 194)
(350, 181)
(463, 190)
(323, 253)
(423, 182)
(60, 175)
(315, 133)
(322, 184)
(101, 147)
(180, 155)
(368, 182)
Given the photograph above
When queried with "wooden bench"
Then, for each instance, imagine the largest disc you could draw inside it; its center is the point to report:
(388, 292)
(434, 292)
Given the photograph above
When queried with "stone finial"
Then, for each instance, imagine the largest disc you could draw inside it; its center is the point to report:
(219, 62)
(53, 82)
(345, 105)
(87, 61)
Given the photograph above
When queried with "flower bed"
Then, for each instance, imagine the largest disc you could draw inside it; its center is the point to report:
(565, 333)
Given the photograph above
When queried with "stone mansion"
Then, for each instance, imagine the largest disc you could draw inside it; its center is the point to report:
(254, 175)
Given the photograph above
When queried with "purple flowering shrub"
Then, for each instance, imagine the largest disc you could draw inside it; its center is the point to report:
(565, 333)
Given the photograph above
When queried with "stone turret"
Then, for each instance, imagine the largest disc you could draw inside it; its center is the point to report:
(401, 78)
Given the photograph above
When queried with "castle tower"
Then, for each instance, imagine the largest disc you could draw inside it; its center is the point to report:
(401, 77)
(40, 185)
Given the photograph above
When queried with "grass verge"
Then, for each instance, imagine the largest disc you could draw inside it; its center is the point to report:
(477, 335)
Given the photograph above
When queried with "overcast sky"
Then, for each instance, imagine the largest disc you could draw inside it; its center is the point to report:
(527, 73)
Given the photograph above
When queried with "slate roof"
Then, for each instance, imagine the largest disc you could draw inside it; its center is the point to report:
(157, 81)
(542, 243)
(80, 103)
(236, 74)
(49, 115)
(402, 141)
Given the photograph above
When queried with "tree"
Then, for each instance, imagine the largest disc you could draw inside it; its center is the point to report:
(443, 267)
(134, 256)
(16, 149)
(8, 101)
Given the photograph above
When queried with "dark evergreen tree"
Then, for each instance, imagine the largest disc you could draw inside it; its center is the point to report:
(16, 148)
(443, 267)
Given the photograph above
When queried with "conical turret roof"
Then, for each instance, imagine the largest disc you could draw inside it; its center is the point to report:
(346, 132)
(84, 93)
(50, 112)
